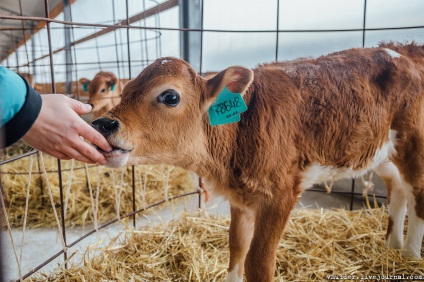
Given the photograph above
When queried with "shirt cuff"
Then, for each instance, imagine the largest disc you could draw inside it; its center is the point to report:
(19, 125)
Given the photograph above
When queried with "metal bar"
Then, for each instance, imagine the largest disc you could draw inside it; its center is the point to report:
(145, 33)
(352, 194)
(33, 47)
(29, 153)
(202, 12)
(48, 171)
(34, 270)
(191, 19)
(116, 40)
(345, 193)
(88, 63)
(121, 49)
(278, 28)
(49, 40)
(109, 28)
(68, 54)
(17, 60)
(10, 28)
(75, 58)
(129, 76)
(364, 23)
(96, 68)
(40, 180)
(24, 33)
(159, 40)
(1, 258)
(62, 210)
(200, 190)
(96, 45)
(128, 40)
(134, 206)
(1, 215)
(184, 24)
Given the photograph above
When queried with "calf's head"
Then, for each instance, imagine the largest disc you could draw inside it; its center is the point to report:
(102, 90)
(162, 116)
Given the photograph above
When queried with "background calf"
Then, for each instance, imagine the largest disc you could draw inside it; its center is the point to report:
(104, 91)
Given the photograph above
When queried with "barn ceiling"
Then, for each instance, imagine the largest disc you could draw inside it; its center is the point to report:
(11, 31)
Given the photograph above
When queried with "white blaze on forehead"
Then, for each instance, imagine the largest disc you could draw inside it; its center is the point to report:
(165, 61)
(392, 53)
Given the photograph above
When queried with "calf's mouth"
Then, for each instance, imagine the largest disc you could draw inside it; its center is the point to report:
(115, 151)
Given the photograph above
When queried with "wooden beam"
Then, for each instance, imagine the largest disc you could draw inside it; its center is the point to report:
(42, 24)
(143, 15)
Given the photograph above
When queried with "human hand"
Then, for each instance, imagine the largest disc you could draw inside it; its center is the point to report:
(58, 130)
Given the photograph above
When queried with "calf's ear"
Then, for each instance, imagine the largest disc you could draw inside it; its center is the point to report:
(237, 79)
(84, 84)
(112, 81)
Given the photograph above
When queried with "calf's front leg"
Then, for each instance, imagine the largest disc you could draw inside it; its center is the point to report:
(270, 220)
(241, 232)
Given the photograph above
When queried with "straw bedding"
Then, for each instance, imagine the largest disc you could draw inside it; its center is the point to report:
(151, 185)
(316, 243)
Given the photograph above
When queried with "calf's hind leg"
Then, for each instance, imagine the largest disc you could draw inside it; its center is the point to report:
(410, 161)
(415, 233)
(397, 203)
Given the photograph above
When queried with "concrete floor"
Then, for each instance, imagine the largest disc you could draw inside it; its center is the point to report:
(40, 244)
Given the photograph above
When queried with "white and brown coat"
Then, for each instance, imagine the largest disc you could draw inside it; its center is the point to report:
(308, 121)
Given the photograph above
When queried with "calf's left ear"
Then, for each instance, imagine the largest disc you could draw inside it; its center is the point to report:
(237, 79)
(84, 83)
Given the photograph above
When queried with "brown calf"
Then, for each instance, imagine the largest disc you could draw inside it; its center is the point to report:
(104, 91)
(308, 121)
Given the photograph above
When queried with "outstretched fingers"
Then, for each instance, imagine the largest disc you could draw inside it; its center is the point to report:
(86, 152)
(90, 134)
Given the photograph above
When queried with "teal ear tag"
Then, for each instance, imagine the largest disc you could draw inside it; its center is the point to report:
(227, 108)
(113, 87)
(85, 86)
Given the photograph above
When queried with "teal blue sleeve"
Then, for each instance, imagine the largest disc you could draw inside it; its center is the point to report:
(13, 92)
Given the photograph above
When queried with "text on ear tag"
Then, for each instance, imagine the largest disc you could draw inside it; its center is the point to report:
(227, 108)
(113, 87)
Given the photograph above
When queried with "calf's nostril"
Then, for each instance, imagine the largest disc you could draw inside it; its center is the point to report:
(105, 126)
(111, 126)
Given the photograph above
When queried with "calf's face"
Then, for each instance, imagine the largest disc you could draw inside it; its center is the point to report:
(102, 89)
(163, 114)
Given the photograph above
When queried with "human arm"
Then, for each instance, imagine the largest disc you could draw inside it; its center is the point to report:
(50, 123)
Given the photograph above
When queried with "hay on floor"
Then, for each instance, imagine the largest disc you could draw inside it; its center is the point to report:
(316, 243)
(152, 184)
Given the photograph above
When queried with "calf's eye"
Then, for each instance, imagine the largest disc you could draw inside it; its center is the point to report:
(170, 98)
(103, 90)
